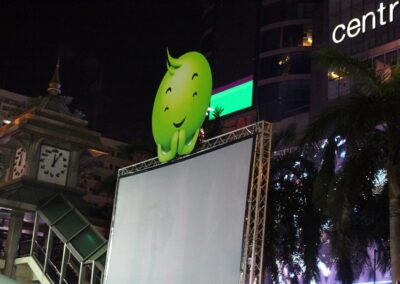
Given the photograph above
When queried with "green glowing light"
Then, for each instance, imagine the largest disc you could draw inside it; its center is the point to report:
(233, 99)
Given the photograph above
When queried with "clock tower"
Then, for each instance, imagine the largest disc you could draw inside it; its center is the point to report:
(40, 151)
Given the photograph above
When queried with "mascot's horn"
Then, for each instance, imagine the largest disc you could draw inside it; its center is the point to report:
(173, 62)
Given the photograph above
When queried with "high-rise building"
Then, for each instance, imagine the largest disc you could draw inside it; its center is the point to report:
(368, 30)
(287, 31)
(271, 41)
(280, 37)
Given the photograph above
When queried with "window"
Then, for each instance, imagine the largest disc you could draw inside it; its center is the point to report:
(271, 40)
(307, 36)
(291, 63)
(288, 36)
(300, 63)
(280, 100)
(292, 36)
(269, 67)
(391, 58)
(295, 97)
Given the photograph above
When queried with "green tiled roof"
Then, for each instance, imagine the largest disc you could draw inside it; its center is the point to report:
(73, 229)
(99, 257)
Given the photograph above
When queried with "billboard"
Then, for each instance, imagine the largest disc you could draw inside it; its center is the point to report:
(182, 222)
(232, 97)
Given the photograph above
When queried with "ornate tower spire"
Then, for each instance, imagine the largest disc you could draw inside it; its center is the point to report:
(54, 84)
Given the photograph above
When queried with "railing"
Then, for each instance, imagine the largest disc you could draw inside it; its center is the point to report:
(24, 248)
(204, 146)
(53, 273)
(72, 273)
(54, 256)
(39, 254)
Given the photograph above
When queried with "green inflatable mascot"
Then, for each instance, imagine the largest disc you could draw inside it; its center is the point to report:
(181, 104)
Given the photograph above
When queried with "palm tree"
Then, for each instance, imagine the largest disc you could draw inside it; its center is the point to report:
(368, 118)
(293, 226)
(352, 197)
(213, 127)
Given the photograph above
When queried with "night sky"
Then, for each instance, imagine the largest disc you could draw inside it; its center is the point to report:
(113, 54)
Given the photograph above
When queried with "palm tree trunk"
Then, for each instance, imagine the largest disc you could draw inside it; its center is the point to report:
(394, 211)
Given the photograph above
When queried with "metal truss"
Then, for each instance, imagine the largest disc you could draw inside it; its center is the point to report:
(253, 239)
(252, 261)
(204, 146)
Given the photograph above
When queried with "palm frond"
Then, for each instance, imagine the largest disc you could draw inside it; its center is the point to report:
(214, 127)
(294, 224)
(284, 137)
(346, 66)
(351, 116)
(369, 119)
(325, 177)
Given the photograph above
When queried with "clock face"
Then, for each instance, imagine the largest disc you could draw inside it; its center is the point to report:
(19, 163)
(53, 165)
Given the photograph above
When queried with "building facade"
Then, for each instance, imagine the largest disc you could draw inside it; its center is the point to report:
(97, 174)
(11, 104)
(376, 40)
(279, 37)
(284, 73)
(57, 180)
(290, 86)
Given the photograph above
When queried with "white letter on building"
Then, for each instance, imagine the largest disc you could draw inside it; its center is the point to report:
(354, 25)
(364, 21)
(391, 13)
(381, 9)
(334, 38)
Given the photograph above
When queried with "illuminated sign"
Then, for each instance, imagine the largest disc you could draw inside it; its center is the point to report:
(359, 25)
(180, 105)
(233, 97)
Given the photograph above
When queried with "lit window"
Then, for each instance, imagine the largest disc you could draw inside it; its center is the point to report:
(307, 36)
(284, 60)
(332, 75)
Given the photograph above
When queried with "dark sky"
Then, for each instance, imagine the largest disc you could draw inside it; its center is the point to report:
(112, 54)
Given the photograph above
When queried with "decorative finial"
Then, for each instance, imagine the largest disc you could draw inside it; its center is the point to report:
(54, 84)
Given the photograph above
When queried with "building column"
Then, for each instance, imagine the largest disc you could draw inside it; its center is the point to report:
(13, 236)
(73, 172)
(64, 264)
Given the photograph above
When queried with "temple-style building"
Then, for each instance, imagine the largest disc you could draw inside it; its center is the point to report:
(45, 233)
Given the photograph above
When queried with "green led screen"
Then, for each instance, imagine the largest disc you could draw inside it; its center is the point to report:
(232, 99)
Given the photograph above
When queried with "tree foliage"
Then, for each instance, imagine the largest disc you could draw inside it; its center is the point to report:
(368, 120)
(293, 226)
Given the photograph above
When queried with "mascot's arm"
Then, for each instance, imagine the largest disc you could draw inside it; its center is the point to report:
(187, 148)
(167, 156)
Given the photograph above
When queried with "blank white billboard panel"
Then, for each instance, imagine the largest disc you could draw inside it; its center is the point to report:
(182, 223)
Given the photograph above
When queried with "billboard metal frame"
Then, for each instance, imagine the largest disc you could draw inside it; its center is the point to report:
(256, 211)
